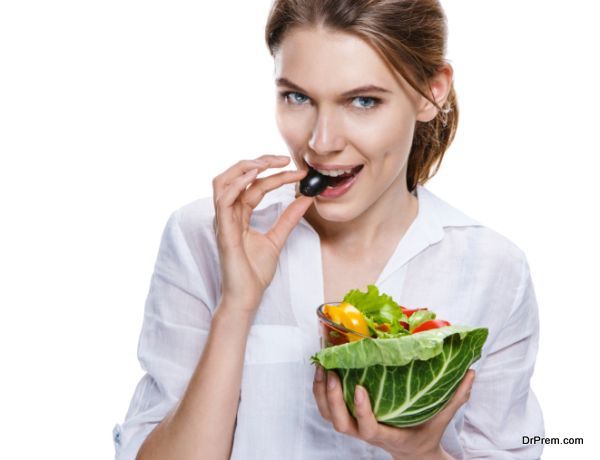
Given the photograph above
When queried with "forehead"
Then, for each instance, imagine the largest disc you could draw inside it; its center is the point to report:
(330, 62)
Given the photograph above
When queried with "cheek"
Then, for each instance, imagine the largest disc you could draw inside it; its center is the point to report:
(386, 142)
(390, 128)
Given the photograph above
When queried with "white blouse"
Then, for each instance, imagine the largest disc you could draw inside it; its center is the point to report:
(465, 272)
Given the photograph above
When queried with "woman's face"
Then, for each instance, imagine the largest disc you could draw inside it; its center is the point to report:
(325, 122)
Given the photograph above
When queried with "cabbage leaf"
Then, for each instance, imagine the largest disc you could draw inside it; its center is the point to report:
(409, 379)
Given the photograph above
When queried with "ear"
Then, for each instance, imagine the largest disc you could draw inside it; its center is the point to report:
(440, 88)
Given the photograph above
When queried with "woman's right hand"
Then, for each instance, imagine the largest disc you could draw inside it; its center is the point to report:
(248, 258)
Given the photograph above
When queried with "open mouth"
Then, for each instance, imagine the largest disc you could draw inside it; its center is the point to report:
(337, 181)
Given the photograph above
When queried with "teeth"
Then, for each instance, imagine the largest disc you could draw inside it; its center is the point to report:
(334, 172)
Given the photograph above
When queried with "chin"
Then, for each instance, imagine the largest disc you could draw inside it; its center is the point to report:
(334, 211)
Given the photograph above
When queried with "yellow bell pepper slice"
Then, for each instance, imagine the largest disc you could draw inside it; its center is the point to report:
(348, 316)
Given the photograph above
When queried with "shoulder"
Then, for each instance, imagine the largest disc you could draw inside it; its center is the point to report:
(195, 215)
(472, 238)
(490, 243)
(489, 268)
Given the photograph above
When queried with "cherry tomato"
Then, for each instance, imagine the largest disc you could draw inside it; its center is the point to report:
(431, 324)
(408, 312)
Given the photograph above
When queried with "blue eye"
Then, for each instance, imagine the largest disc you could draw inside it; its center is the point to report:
(297, 99)
(290, 96)
(374, 101)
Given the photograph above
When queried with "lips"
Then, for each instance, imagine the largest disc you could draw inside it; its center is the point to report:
(340, 186)
(331, 167)
(333, 181)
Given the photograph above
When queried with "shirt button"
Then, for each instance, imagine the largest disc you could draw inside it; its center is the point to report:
(117, 434)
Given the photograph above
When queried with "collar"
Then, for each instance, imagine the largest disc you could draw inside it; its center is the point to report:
(440, 213)
(435, 212)
(433, 216)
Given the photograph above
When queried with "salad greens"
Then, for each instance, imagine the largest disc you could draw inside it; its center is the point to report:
(380, 309)
(409, 375)
(419, 317)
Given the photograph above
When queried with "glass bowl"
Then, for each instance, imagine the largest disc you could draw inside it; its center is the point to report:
(333, 333)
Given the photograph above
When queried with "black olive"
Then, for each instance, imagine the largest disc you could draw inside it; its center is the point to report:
(313, 183)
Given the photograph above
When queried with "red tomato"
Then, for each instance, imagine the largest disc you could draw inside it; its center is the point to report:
(408, 312)
(431, 324)
(404, 324)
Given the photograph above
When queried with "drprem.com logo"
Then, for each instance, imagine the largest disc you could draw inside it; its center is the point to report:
(543, 440)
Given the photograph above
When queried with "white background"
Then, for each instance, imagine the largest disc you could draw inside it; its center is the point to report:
(115, 113)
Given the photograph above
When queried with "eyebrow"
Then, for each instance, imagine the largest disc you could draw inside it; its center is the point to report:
(353, 92)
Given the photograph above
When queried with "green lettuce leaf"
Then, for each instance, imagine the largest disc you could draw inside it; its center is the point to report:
(409, 379)
(378, 308)
(419, 317)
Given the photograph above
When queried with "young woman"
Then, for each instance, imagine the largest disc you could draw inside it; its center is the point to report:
(230, 319)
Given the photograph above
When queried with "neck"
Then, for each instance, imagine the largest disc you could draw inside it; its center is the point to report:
(374, 226)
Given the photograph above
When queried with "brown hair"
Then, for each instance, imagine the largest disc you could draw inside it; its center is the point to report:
(411, 37)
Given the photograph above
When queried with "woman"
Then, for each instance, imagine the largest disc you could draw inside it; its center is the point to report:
(230, 318)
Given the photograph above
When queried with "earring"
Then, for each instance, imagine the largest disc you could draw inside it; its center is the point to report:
(446, 109)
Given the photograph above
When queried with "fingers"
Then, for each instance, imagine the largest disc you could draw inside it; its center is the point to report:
(340, 417)
(368, 427)
(330, 401)
(320, 392)
(262, 186)
(230, 194)
(460, 396)
(331, 404)
(328, 393)
(221, 181)
(230, 185)
(288, 220)
(225, 217)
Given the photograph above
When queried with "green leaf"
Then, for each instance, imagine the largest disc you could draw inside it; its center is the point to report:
(371, 301)
(377, 308)
(409, 379)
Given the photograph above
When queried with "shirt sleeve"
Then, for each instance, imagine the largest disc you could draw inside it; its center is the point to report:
(174, 332)
(502, 407)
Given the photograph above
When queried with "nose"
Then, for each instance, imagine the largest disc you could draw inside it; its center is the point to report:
(327, 135)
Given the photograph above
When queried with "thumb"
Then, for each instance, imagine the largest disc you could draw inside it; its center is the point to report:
(288, 220)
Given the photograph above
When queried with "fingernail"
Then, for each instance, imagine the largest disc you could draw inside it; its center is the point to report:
(319, 374)
(359, 395)
(330, 380)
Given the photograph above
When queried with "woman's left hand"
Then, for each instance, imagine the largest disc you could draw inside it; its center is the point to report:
(421, 441)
